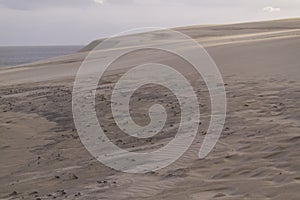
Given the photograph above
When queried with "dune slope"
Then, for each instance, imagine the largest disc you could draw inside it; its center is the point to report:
(257, 156)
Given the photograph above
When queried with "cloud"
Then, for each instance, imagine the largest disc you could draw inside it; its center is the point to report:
(99, 1)
(44, 4)
(271, 9)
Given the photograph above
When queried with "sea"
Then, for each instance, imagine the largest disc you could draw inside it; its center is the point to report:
(13, 55)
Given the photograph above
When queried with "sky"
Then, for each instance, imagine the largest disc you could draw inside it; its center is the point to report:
(78, 22)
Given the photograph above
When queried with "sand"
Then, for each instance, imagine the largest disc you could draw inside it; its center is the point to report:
(257, 156)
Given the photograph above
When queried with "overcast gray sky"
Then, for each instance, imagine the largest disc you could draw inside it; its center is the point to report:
(67, 22)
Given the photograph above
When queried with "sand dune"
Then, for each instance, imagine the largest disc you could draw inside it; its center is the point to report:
(257, 156)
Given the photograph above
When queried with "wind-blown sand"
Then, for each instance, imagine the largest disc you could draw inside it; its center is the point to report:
(257, 156)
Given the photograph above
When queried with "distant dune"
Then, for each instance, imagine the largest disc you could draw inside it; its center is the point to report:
(257, 156)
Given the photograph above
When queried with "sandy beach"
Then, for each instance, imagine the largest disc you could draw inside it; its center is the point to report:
(257, 156)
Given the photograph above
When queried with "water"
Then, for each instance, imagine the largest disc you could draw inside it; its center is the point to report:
(11, 56)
